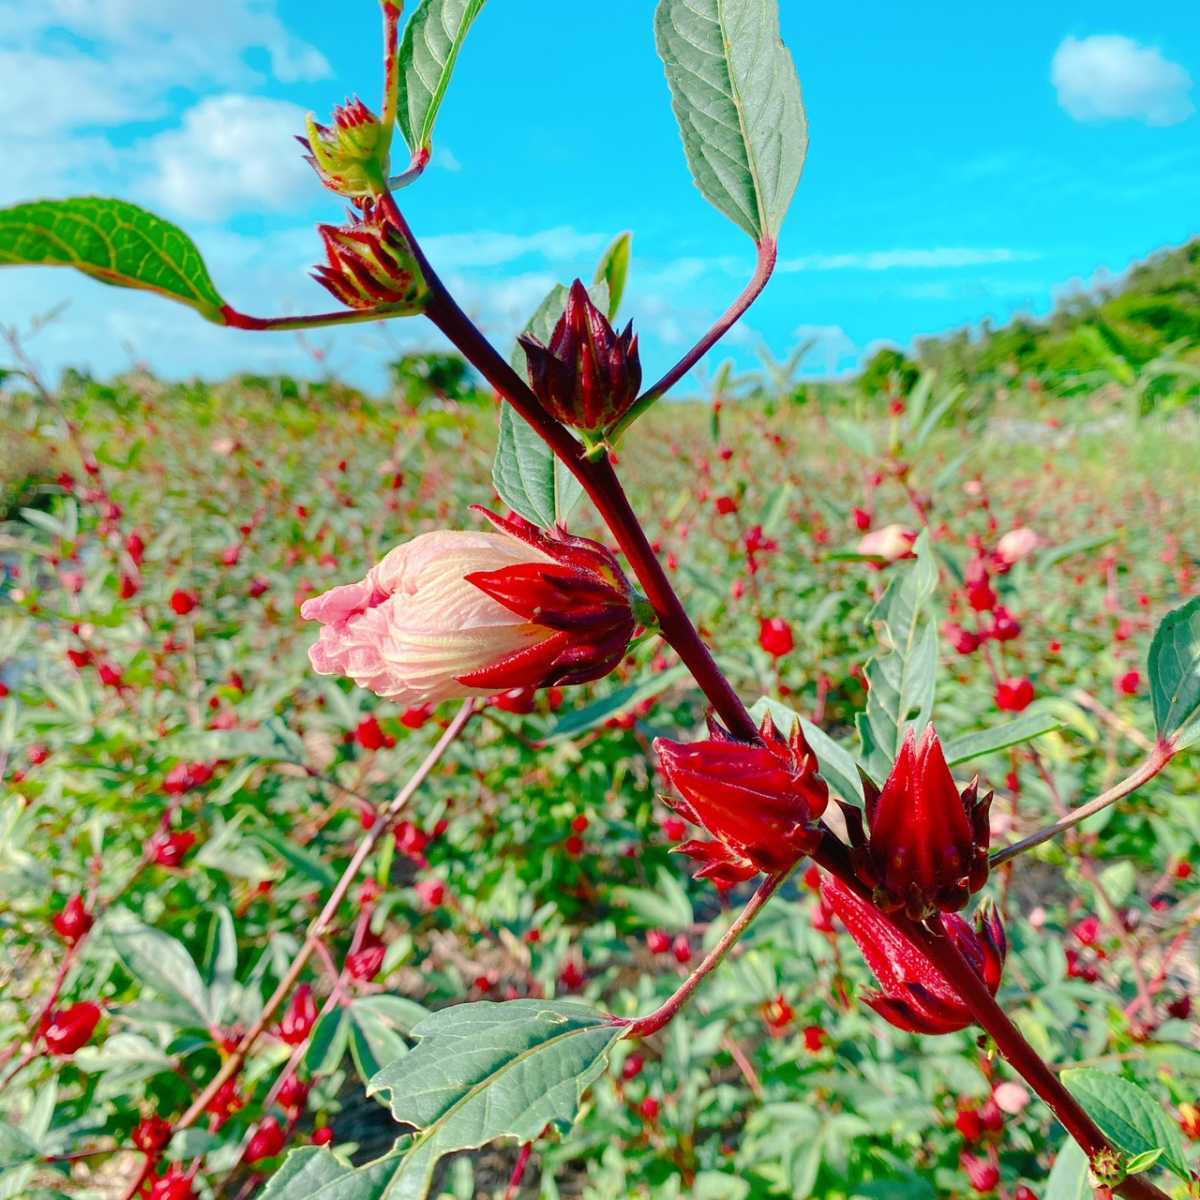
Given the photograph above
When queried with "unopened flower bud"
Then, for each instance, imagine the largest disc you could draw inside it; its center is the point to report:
(760, 801)
(927, 847)
(351, 157)
(454, 613)
(589, 375)
(371, 264)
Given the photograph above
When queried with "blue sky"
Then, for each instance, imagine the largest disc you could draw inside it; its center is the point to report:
(963, 165)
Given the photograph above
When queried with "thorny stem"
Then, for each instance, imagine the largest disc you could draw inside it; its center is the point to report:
(643, 1027)
(317, 930)
(1162, 754)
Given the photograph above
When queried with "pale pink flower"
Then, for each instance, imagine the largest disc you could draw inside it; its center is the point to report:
(452, 613)
(891, 542)
(1010, 1097)
(1017, 544)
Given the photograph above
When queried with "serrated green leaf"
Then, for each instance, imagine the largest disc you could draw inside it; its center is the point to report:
(113, 241)
(987, 741)
(613, 271)
(737, 99)
(580, 720)
(428, 53)
(374, 1042)
(1175, 674)
(486, 1071)
(1130, 1118)
(159, 961)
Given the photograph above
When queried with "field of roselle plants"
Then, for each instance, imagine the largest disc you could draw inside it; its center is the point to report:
(524, 785)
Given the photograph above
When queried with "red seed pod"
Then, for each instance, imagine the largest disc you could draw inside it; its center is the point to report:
(814, 1038)
(151, 1134)
(73, 921)
(296, 1024)
(658, 941)
(293, 1093)
(589, 375)
(176, 1184)
(982, 1172)
(775, 637)
(65, 1030)
(170, 849)
(760, 801)
(268, 1141)
(183, 601)
(370, 264)
(631, 1068)
(926, 845)
(915, 995)
(1014, 695)
(366, 963)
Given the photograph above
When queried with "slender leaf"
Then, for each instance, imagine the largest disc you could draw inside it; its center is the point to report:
(1175, 674)
(613, 271)
(737, 99)
(113, 241)
(1130, 1118)
(328, 1044)
(580, 720)
(160, 962)
(428, 53)
(1069, 1177)
(1011, 733)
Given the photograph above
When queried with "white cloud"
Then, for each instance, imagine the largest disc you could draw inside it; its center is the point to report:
(828, 344)
(1108, 77)
(454, 251)
(890, 260)
(231, 153)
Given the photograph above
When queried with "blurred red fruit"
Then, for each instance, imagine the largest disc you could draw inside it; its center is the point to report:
(268, 1141)
(775, 637)
(322, 1135)
(658, 941)
(151, 1134)
(301, 1016)
(65, 1030)
(814, 1038)
(183, 601)
(1014, 695)
(73, 921)
(631, 1068)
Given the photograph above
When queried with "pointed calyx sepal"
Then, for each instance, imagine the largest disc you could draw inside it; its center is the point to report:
(925, 846)
(577, 590)
(914, 994)
(371, 264)
(351, 156)
(589, 375)
(761, 802)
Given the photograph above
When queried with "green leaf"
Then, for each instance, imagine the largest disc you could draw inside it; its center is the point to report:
(580, 720)
(1132, 1120)
(373, 1041)
(328, 1044)
(1011, 733)
(16, 1147)
(485, 1071)
(613, 271)
(221, 960)
(737, 99)
(272, 742)
(113, 241)
(1069, 1177)
(528, 476)
(837, 765)
(901, 679)
(159, 961)
(666, 905)
(428, 53)
(1175, 675)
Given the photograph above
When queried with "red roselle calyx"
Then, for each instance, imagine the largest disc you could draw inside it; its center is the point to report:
(371, 263)
(760, 801)
(351, 157)
(926, 845)
(589, 375)
(915, 995)
(301, 1016)
(582, 597)
(74, 921)
(66, 1030)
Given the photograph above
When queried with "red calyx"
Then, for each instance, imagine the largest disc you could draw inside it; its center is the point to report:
(583, 596)
(915, 995)
(927, 847)
(268, 1140)
(589, 375)
(300, 1017)
(73, 921)
(151, 1134)
(760, 801)
(65, 1030)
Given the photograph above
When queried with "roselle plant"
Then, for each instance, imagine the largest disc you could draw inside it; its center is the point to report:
(896, 849)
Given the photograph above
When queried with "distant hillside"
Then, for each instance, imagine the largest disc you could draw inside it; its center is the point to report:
(1151, 311)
